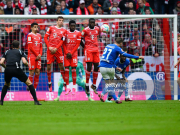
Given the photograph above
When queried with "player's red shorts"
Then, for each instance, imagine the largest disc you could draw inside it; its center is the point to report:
(58, 56)
(92, 56)
(34, 64)
(70, 62)
(179, 75)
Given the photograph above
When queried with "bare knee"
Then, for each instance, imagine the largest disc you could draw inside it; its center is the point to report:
(31, 72)
(37, 72)
(48, 67)
(61, 66)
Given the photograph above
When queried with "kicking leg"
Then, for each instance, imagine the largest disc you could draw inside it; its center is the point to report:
(60, 89)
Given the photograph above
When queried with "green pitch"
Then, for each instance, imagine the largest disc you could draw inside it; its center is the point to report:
(90, 118)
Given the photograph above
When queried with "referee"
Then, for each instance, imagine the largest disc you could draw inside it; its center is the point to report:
(13, 58)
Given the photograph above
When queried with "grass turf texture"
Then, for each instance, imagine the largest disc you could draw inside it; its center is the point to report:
(90, 118)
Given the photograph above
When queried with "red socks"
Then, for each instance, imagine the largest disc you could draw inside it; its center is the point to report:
(63, 74)
(87, 76)
(95, 76)
(74, 76)
(49, 76)
(66, 77)
(31, 78)
(36, 81)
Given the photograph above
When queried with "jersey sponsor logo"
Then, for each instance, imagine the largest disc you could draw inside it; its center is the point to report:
(10, 96)
(50, 95)
(29, 38)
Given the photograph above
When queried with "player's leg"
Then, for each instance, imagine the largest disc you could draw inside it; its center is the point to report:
(74, 62)
(50, 60)
(36, 78)
(66, 76)
(62, 71)
(4, 91)
(127, 98)
(31, 69)
(60, 89)
(81, 82)
(89, 60)
(96, 61)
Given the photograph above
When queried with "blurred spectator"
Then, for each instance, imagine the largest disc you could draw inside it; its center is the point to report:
(84, 24)
(159, 7)
(103, 38)
(131, 48)
(137, 64)
(177, 11)
(147, 10)
(44, 10)
(57, 10)
(131, 11)
(155, 48)
(28, 9)
(93, 7)
(64, 10)
(114, 11)
(171, 4)
(17, 11)
(18, 4)
(2, 8)
(9, 9)
(145, 3)
(107, 6)
(81, 10)
(100, 12)
(54, 4)
(34, 10)
(136, 40)
(135, 30)
(147, 45)
(142, 7)
(124, 6)
(115, 4)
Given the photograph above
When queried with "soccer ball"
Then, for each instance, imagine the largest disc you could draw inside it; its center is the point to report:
(105, 28)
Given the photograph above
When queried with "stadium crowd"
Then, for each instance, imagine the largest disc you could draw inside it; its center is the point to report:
(147, 32)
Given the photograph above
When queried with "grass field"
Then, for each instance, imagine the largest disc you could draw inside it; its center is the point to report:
(90, 118)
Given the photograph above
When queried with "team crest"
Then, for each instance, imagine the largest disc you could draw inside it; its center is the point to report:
(29, 38)
(74, 36)
(96, 31)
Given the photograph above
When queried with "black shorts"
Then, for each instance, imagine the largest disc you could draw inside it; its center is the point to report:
(13, 71)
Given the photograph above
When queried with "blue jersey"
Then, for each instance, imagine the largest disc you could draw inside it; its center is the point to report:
(111, 53)
(121, 65)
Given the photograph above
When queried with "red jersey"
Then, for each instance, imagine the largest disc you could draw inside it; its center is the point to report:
(71, 41)
(55, 34)
(34, 45)
(91, 38)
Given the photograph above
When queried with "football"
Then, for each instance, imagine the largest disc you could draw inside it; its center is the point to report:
(105, 28)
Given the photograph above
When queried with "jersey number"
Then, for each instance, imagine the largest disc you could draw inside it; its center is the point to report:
(108, 52)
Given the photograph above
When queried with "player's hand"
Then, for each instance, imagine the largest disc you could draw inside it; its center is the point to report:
(38, 57)
(51, 49)
(118, 69)
(55, 49)
(175, 66)
(68, 56)
(141, 57)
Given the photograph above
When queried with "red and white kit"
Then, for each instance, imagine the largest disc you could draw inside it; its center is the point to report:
(55, 34)
(34, 49)
(91, 44)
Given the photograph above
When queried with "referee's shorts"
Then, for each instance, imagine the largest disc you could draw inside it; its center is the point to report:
(13, 71)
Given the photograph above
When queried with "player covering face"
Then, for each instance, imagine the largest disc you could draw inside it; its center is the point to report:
(90, 36)
(54, 38)
(70, 47)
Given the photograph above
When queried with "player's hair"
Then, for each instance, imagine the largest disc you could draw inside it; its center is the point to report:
(146, 8)
(71, 21)
(91, 19)
(60, 17)
(178, 35)
(32, 25)
(15, 44)
(124, 49)
(119, 40)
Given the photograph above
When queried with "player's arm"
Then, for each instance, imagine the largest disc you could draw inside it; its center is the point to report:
(2, 62)
(128, 55)
(46, 36)
(77, 43)
(41, 50)
(82, 38)
(30, 44)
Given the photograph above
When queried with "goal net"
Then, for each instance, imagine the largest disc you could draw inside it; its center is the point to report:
(153, 36)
